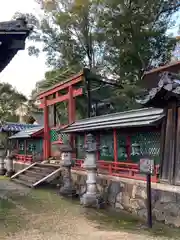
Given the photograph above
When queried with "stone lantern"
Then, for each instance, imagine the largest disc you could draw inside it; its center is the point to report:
(90, 197)
(66, 157)
(9, 165)
(2, 155)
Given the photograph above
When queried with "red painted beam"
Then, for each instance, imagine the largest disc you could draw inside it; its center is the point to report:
(63, 98)
(77, 78)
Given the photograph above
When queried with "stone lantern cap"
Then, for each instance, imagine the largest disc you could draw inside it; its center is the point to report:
(65, 148)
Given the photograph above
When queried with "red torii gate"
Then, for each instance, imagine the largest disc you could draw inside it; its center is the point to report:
(52, 96)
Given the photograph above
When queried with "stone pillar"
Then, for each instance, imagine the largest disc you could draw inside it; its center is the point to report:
(90, 198)
(67, 188)
(2, 153)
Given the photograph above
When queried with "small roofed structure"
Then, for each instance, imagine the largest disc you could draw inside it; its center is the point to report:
(28, 144)
(7, 129)
(122, 138)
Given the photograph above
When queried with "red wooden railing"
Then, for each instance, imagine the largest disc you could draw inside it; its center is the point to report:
(24, 158)
(120, 169)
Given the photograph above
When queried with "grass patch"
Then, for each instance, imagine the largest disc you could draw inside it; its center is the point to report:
(4, 178)
(40, 200)
(10, 219)
(110, 220)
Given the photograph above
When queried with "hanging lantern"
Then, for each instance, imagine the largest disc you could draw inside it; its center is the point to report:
(136, 149)
(105, 150)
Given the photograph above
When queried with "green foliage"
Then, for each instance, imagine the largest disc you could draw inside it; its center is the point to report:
(10, 100)
(137, 36)
(118, 39)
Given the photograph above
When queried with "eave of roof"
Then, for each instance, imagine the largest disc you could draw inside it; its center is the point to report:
(168, 87)
(133, 118)
(12, 38)
(27, 133)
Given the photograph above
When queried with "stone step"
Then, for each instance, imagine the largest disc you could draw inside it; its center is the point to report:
(36, 174)
(47, 165)
(17, 180)
(42, 169)
(32, 173)
(29, 179)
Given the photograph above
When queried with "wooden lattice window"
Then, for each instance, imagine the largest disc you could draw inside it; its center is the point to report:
(21, 146)
(148, 143)
(54, 135)
(32, 147)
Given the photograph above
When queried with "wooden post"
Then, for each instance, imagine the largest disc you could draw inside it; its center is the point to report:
(128, 144)
(177, 158)
(17, 146)
(98, 145)
(71, 112)
(25, 149)
(149, 200)
(169, 153)
(46, 143)
(115, 145)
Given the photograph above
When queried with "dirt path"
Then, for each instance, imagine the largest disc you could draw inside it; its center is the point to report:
(40, 214)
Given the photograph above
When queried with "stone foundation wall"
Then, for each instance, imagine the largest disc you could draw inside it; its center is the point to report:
(130, 195)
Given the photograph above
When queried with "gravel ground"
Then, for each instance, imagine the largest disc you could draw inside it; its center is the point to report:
(40, 214)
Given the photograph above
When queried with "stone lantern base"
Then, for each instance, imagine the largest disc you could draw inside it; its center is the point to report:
(67, 189)
(66, 158)
(91, 200)
(2, 171)
(9, 166)
(2, 167)
(9, 173)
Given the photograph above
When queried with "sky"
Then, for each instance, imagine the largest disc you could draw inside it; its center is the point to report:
(23, 71)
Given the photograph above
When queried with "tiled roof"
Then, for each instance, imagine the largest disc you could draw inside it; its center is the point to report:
(15, 127)
(133, 118)
(167, 89)
(27, 133)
